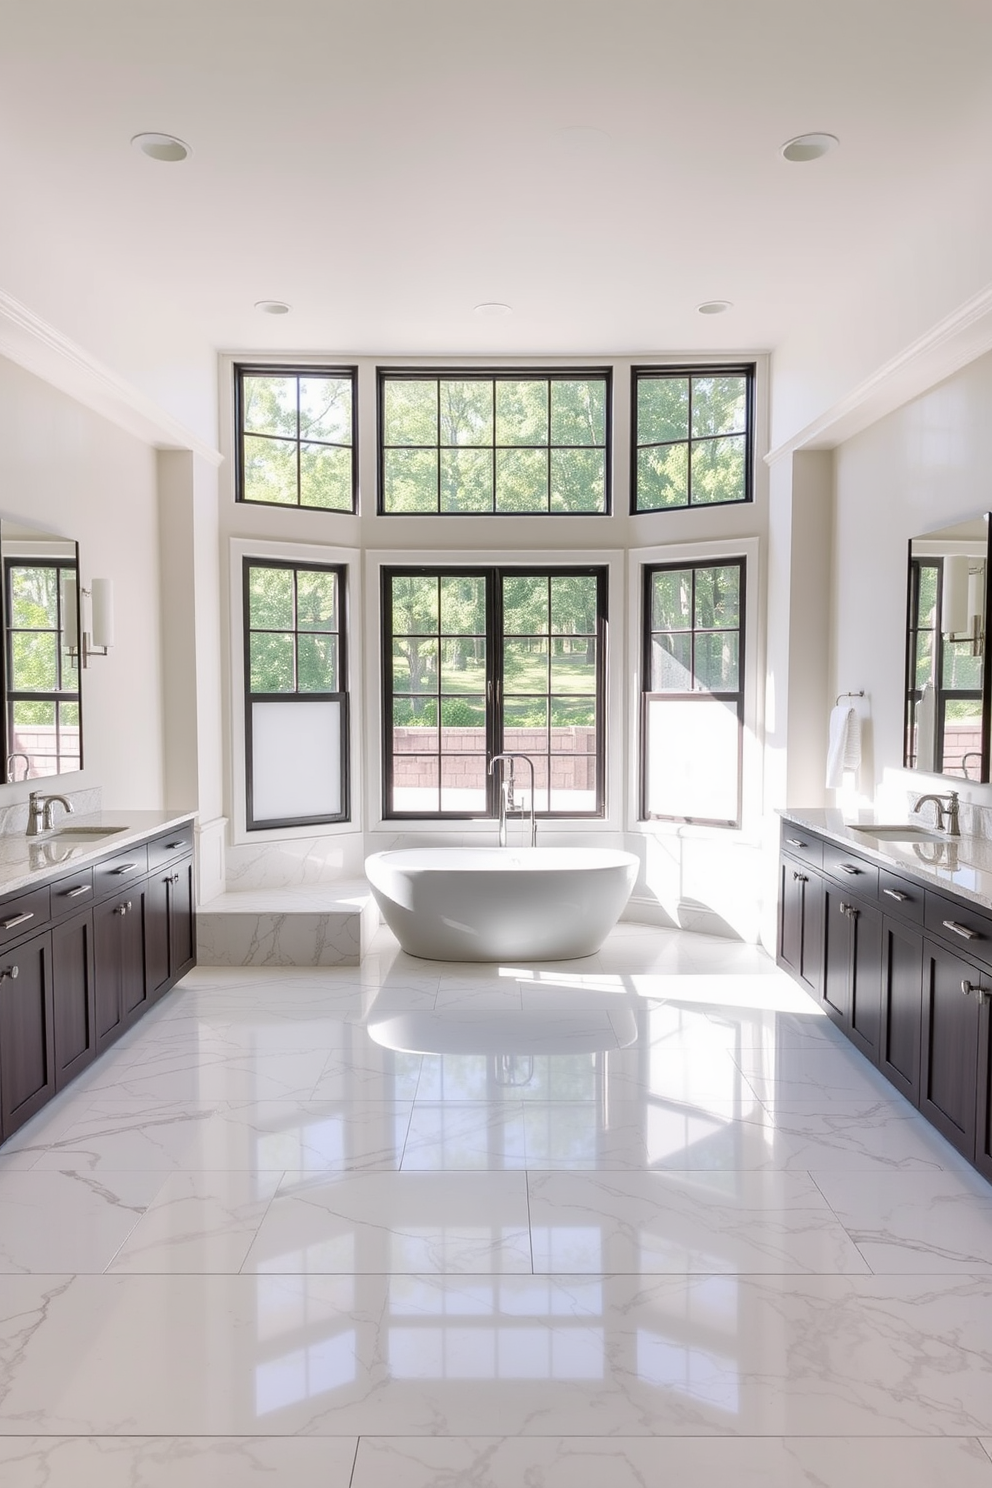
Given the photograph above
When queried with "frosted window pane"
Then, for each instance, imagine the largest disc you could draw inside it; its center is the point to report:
(692, 759)
(296, 760)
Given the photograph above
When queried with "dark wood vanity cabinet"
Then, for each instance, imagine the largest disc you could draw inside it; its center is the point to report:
(83, 958)
(906, 973)
(27, 1044)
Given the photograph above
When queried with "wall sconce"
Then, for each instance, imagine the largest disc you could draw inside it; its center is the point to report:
(98, 639)
(963, 609)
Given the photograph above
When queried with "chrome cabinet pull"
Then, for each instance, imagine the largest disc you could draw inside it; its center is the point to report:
(9, 971)
(75, 893)
(794, 842)
(20, 919)
(895, 894)
(849, 868)
(175, 844)
(850, 911)
(961, 930)
(799, 877)
(124, 868)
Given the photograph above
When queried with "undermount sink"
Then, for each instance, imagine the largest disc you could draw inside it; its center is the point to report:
(83, 834)
(900, 832)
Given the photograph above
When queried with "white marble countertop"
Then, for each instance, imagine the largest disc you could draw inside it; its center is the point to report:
(958, 865)
(26, 861)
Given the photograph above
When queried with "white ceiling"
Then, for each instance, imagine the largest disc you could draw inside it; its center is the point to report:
(385, 165)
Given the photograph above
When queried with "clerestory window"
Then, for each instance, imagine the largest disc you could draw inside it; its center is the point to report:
(497, 444)
(692, 437)
(296, 437)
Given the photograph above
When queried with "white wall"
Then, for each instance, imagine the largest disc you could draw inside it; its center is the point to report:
(65, 468)
(924, 466)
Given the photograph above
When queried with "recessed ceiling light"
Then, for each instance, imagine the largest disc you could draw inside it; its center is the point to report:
(494, 310)
(808, 146)
(161, 146)
(714, 307)
(272, 307)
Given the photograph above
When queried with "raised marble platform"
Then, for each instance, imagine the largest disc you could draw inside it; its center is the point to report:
(321, 925)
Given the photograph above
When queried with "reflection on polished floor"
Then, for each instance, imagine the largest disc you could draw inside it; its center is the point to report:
(640, 1219)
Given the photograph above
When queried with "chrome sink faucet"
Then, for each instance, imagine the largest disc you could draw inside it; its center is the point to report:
(506, 799)
(947, 812)
(40, 810)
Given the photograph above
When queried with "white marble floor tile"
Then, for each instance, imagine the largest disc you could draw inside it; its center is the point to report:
(915, 1222)
(303, 1139)
(823, 1076)
(641, 1462)
(69, 1221)
(495, 1355)
(392, 1222)
(198, 1222)
(123, 1134)
(241, 1077)
(365, 1071)
(176, 1462)
(445, 1137)
(651, 1223)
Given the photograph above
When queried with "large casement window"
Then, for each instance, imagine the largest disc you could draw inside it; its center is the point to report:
(41, 673)
(692, 437)
(506, 443)
(296, 699)
(692, 719)
(484, 661)
(296, 437)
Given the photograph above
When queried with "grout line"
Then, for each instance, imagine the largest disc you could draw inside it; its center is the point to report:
(354, 1462)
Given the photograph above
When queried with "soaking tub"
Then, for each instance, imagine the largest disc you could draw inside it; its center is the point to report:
(495, 904)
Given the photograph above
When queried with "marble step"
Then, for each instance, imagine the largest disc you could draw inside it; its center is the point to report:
(320, 925)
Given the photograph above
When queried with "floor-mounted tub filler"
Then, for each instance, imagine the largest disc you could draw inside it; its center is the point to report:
(492, 904)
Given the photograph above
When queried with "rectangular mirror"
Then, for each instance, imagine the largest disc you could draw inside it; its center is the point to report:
(39, 659)
(947, 681)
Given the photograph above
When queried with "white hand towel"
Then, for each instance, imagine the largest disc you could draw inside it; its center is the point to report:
(926, 728)
(844, 746)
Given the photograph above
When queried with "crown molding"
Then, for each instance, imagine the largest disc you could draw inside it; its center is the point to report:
(943, 350)
(38, 347)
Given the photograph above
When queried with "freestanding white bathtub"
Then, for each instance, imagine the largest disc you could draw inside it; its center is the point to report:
(494, 904)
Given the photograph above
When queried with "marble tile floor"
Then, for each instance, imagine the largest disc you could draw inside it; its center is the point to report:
(640, 1219)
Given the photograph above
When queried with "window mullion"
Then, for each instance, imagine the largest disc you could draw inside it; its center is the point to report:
(494, 676)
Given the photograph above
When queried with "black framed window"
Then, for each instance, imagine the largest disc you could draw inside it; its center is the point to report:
(945, 685)
(692, 718)
(692, 441)
(296, 694)
(484, 661)
(296, 437)
(41, 671)
(494, 443)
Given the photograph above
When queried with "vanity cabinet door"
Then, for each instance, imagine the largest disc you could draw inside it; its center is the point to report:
(119, 954)
(74, 995)
(852, 967)
(838, 948)
(949, 1074)
(902, 1007)
(983, 1152)
(800, 938)
(171, 926)
(27, 1049)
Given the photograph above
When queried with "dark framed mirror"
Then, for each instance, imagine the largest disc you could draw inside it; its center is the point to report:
(39, 658)
(948, 687)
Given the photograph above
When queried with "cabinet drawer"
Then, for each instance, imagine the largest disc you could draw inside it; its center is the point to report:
(24, 914)
(959, 925)
(110, 876)
(172, 844)
(70, 895)
(860, 876)
(900, 897)
(798, 843)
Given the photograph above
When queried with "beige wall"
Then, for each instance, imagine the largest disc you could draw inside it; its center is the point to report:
(65, 468)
